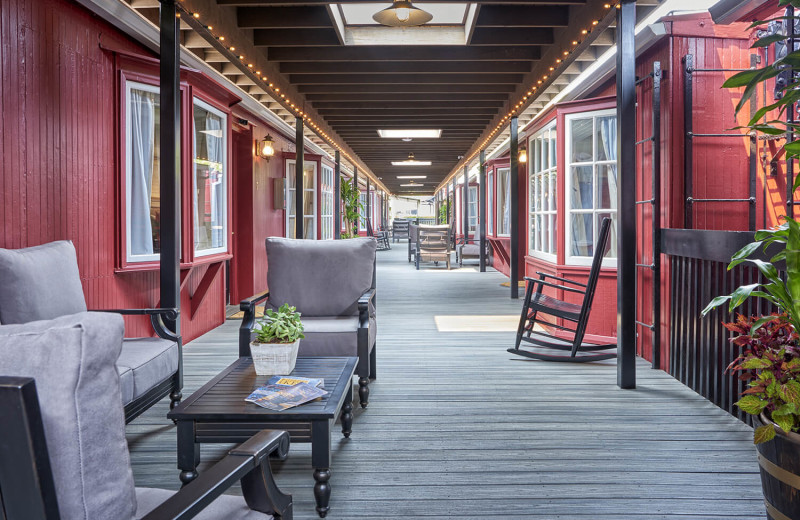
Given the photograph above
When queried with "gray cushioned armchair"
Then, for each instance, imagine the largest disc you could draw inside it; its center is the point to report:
(63, 452)
(43, 283)
(332, 284)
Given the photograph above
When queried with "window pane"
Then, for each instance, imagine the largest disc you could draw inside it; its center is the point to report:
(308, 228)
(210, 191)
(290, 227)
(581, 187)
(553, 154)
(582, 235)
(290, 176)
(309, 172)
(607, 187)
(553, 233)
(545, 153)
(607, 138)
(143, 195)
(552, 193)
(612, 233)
(582, 140)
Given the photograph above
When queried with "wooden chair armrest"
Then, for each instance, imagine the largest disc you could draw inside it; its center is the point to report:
(249, 463)
(248, 306)
(545, 275)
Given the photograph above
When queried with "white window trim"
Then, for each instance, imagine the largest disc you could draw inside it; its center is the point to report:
(548, 257)
(490, 193)
(129, 258)
(472, 212)
(306, 191)
(224, 249)
(327, 217)
(569, 259)
(498, 209)
(362, 212)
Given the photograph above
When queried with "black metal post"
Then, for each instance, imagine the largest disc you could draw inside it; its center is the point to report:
(688, 160)
(482, 210)
(656, 218)
(368, 212)
(626, 189)
(337, 196)
(170, 164)
(438, 205)
(299, 183)
(465, 206)
(358, 190)
(455, 207)
(513, 179)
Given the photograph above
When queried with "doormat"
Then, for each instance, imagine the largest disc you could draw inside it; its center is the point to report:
(472, 323)
(240, 314)
(508, 284)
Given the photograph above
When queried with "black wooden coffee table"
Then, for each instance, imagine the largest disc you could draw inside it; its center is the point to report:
(218, 413)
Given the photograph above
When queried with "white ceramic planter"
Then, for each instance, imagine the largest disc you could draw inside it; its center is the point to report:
(272, 359)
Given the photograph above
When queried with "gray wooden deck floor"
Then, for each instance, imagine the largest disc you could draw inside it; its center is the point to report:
(459, 428)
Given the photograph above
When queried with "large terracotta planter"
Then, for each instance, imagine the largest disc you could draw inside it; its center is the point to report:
(274, 359)
(779, 461)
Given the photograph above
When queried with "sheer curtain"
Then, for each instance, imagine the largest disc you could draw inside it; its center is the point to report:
(507, 203)
(142, 116)
(214, 143)
(608, 133)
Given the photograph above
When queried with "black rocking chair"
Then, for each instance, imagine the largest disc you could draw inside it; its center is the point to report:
(538, 303)
(381, 236)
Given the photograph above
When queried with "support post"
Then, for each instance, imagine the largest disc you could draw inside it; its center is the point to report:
(337, 196)
(626, 190)
(368, 212)
(455, 206)
(299, 182)
(790, 119)
(482, 210)
(438, 205)
(465, 206)
(170, 164)
(514, 208)
(358, 190)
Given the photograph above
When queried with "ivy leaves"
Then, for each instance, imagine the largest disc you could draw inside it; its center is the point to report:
(281, 326)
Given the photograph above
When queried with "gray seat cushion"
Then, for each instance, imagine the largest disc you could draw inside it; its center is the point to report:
(125, 383)
(72, 360)
(40, 283)
(466, 250)
(152, 360)
(320, 278)
(225, 507)
(336, 336)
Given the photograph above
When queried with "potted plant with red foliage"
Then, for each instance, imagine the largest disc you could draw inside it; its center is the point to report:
(770, 363)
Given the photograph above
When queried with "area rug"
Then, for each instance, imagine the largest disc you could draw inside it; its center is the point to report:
(508, 284)
(240, 314)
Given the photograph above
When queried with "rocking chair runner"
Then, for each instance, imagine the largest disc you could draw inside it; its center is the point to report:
(538, 303)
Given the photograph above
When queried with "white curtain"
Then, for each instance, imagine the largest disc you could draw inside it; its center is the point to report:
(214, 143)
(507, 202)
(608, 132)
(142, 115)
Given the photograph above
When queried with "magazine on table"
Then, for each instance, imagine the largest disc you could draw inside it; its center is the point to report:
(278, 395)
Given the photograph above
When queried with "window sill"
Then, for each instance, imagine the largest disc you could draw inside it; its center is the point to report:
(155, 266)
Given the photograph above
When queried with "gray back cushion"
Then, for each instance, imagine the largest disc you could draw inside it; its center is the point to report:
(40, 283)
(72, 359)
(320, 278)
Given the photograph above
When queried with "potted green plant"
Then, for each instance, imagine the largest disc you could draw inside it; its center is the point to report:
(352, 207)
(277, 339)
(770, 364)
(443, 214)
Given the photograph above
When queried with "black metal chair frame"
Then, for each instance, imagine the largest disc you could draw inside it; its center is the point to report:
(419, 252)
(367, 361)
(400, 229)
(172, 385)
(412, 243)
(27, 489)
(381, 236)
(537, 303)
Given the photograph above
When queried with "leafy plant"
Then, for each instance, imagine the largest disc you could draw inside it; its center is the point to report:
(443, 214)
(783, 294)
(351, 201)
(281, 326)
(770, 363)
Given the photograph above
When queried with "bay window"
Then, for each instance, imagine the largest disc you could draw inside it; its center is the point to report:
(542, 201)
(326, 196)
(591, 182)
(309, 198)
(503, 202)
(210, 186)
(142, 158)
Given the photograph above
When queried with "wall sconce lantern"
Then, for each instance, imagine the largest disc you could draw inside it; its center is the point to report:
(265, 148)
(523, 157)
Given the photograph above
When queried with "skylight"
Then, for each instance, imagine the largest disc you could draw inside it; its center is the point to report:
(410, 134)
(443, 14)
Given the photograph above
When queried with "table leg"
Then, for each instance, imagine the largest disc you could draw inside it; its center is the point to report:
(321, 461)
(347, 413)
(188, 452)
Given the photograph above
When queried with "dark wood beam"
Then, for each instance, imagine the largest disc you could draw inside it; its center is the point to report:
(411, 114)
(273, 3)
(429, 96)
(294, 17)
(401, 53)
(522, 16)
(295, 37)
(395, 79)
(405, 88)
(511, 36)
(447, 126)
(412, 67)
(406, 105)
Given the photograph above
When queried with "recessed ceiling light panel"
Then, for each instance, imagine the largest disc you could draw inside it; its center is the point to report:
(412, 176)
(411, 133)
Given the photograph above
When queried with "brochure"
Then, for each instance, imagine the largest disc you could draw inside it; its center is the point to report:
(294, 380)
(280, 397)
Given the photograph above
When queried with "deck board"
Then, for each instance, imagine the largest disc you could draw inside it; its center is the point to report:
(459, 428)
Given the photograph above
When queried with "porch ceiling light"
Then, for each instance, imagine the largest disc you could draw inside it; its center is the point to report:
(523, 156)
(410, 134)
(402, 14)
(266, 149)
(412, 176)
(411, 162)
(410, 185)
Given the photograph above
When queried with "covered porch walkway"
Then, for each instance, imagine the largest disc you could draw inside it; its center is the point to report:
(459, 428)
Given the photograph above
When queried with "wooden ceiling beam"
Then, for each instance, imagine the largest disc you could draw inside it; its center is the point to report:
(407, 67)
(404, 89)
(402, 53)
(295, 38)
(403, 104)
(408, 79)
(411, 114)
(273, 3)
(512, 36)
(522, 16)
(388, 96)
(285, 17)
